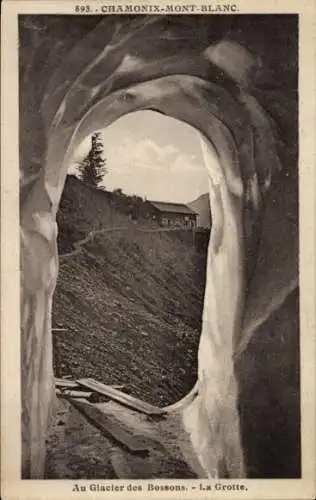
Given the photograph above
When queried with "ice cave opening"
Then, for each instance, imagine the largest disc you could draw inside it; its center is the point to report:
(132, 250)
(220, 85)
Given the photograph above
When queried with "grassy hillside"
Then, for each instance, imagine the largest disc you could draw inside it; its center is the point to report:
(131, 300)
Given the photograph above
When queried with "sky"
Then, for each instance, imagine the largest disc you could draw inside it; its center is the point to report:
(153, 156)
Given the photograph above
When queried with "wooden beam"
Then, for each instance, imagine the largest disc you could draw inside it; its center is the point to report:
(121, 397)
(73, 394)
(111, 428)
(60, 382)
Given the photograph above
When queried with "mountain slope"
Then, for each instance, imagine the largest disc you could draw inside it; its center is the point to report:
(131, 300)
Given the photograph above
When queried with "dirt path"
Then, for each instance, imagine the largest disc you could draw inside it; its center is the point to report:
(79, 244)
(89, 238)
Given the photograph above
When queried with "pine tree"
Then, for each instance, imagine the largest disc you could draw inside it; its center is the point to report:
(92, 169)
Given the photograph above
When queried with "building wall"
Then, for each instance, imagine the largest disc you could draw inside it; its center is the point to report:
(178, 220)
(170, 219)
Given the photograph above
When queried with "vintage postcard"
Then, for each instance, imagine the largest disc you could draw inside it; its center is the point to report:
(158, 249)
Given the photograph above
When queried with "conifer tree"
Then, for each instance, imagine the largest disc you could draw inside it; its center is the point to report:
(92, 169)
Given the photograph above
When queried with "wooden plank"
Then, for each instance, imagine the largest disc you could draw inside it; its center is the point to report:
(71, 384)
(73, 394)
(121, 397)
(111, 427)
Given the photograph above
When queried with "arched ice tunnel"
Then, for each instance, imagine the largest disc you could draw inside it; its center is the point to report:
(233, 78)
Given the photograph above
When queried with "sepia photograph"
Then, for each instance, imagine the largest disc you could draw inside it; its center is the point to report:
(159, 246)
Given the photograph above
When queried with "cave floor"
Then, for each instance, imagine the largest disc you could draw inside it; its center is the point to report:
(76, 449)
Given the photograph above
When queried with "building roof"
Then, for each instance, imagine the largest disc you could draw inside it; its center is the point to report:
(179, 208)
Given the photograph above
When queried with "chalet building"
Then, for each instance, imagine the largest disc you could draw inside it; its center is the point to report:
(171, 214)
